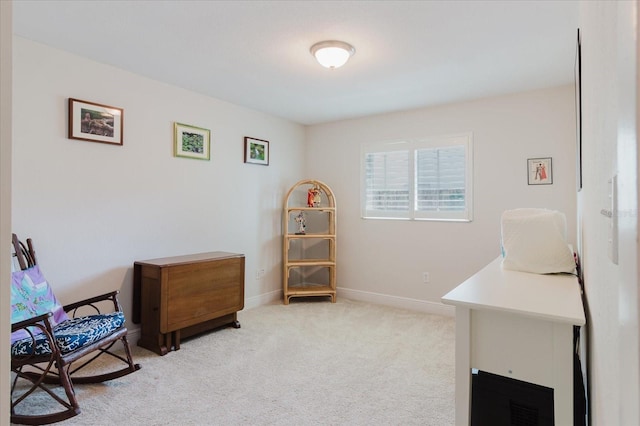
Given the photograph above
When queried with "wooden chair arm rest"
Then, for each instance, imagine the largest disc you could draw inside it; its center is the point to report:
(34, 321)
(112, 296)
(42, 322)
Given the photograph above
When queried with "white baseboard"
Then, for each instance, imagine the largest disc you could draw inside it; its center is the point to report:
(397, 302)
(133, 335)
(362, 296)
(262, 299)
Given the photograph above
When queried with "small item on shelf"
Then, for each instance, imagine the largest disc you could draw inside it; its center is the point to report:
(300, 220)
(313, 196)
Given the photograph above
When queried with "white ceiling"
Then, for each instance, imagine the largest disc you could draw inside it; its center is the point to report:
(409, 54)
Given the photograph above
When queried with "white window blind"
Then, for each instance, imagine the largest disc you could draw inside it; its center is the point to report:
(418, 179)
(387, 182)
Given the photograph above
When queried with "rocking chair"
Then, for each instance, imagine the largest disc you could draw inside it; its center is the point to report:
(46, 342)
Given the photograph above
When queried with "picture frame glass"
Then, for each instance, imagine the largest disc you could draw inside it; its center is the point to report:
(539, 171)
(93, 122)
(256, 151)
(192, 142)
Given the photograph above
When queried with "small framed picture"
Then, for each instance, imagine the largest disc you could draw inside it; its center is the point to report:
(256, 151)
(191, 142)
(89, 121)
(540, 171)
(578, 94)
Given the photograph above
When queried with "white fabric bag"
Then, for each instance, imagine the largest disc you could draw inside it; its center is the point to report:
(535, 240)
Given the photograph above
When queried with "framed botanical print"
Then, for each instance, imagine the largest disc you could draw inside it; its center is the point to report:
(191, 142)
(256, 151)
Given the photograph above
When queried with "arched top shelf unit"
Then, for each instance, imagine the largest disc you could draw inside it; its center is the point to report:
(309, 241)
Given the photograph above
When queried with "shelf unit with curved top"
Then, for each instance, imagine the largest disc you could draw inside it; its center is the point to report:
(309, 241)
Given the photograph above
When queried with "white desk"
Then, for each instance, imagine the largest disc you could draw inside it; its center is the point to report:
(518, 325)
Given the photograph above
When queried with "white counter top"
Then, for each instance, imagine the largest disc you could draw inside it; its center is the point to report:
(550, 297)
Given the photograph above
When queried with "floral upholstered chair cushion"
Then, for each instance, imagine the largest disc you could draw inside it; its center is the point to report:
(72, 334)
(31, 295)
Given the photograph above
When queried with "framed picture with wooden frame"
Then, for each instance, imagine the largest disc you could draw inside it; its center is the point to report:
(540, 171)
(89, 121)
(256, 151)
(191, 142)
(578, 95)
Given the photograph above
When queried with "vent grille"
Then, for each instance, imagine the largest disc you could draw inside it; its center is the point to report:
(521, 415)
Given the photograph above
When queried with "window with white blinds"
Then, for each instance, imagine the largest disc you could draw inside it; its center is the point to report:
(427, 179)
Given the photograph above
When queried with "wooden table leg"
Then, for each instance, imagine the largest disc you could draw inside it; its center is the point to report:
(176, 338)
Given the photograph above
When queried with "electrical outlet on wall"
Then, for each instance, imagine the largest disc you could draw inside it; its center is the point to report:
(425, 277)
(259, 274)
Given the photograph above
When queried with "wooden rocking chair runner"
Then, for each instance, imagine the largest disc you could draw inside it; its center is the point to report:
(46, 342)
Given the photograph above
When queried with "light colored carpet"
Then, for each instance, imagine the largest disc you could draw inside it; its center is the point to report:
(309, 363)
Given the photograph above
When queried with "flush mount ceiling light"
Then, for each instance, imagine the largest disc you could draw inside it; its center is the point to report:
(332, 53)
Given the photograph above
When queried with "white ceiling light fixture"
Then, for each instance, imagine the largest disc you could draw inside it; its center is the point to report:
(332, 54)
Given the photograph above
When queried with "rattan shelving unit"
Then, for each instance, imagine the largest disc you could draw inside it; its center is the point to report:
(309, 254)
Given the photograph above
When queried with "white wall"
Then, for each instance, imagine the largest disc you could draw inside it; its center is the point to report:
(387, 258)
(93, 209)
(609, 75)
(5, 199)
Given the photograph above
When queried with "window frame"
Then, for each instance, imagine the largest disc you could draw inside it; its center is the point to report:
(412, 145)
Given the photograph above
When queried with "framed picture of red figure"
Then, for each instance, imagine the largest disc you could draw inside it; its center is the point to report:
(540, 171)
